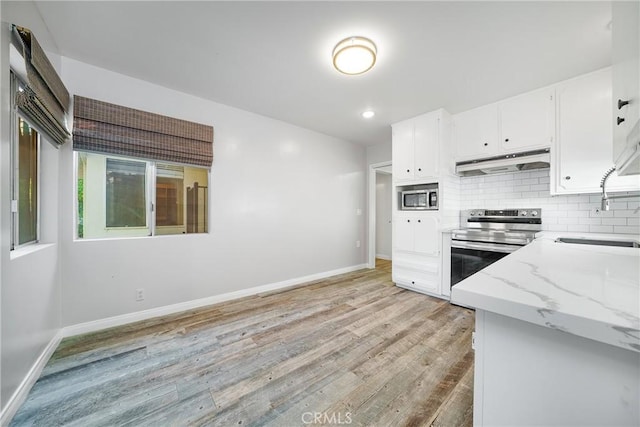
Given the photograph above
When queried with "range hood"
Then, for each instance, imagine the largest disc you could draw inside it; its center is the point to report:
(538, 159)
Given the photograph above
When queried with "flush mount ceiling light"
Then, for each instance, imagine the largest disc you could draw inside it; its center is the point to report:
(368, 114)
(354, 55)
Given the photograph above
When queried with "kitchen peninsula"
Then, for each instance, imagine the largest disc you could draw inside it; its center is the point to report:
(557, 324)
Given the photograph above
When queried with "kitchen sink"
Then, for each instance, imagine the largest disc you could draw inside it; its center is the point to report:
(600, 242)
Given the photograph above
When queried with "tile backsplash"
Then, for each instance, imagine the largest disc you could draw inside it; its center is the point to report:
(530, 189)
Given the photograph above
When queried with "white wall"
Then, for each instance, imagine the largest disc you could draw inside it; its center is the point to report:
(283, 205)
(559, 213)
(384, 190)
(379, 153)
(30, 283)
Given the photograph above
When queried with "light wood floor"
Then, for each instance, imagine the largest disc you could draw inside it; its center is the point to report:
(353, 349)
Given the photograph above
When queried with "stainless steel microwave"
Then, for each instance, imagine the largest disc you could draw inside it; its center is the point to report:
(424, 199)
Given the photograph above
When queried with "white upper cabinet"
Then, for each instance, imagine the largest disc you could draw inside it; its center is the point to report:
(427, 147)
(475, 132)
(626, 86)
(416, 148)
(403, 151)
(582, 152)
(527, 122)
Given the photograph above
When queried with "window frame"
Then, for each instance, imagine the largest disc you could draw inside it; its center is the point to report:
(150, 193)
(16, 116)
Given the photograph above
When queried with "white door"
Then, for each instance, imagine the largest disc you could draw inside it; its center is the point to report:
(426, 235)
(426, 146)
(527, 121)
(475, 132)
(625, 54)
(403, 233)
(585, 133)
(403, 152)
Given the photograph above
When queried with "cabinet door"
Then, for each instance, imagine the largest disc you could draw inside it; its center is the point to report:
(527, 121)
(626, 76)
(426, 235)
(403, 151)
(582, 152)
(475, 132)
(426, 144)
(403, 234)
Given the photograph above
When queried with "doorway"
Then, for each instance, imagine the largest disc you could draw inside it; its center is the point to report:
(380, 206)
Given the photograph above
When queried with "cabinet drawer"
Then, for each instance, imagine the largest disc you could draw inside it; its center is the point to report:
(426, 264)
(428, 281)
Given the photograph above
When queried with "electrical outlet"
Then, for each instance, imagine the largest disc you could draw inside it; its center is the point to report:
(140, 294)
(357, 243)
(358, 212)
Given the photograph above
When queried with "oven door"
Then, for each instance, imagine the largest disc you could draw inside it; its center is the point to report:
(468, 258)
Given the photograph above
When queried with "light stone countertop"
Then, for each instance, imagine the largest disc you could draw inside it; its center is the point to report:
(585, 290)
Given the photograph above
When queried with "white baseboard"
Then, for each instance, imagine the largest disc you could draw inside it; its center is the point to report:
(96, 325)
(383, 256)
(19, 396)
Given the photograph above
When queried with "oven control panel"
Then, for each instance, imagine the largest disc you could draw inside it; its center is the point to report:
(501, 213)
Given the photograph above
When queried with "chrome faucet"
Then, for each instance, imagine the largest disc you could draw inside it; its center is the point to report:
(605, 199)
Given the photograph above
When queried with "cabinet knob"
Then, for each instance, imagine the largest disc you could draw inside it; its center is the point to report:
(622, 103)
(506, 140)
(620, 120)
(419, 220)
(567, 177)
(408, 220)
(485, 144)
(413, 283)
(419, 169)
(408, 170)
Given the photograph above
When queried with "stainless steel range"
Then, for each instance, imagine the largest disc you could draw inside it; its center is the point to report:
(490, 234)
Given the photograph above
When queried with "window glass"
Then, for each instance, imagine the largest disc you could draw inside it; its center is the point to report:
(125, 193)
(181, 193)
(197, 200)
(170, 199)
(27, 183)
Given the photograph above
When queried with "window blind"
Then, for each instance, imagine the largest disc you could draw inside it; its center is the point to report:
(106, 128)
(44, 98)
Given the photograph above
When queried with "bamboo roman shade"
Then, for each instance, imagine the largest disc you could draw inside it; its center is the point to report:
(106, 128)
(44, 100)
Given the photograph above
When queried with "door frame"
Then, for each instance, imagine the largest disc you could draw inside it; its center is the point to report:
(371, 252)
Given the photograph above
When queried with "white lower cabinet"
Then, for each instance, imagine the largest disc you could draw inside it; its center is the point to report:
(417, 272)
(416, 252)
(417, 233)
(530, 375)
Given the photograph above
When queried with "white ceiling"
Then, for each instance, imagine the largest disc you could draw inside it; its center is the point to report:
(274, 58)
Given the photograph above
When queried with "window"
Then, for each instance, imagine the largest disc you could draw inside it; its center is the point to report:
(113, 195)
(26, 184)
(139, 173)
(125, 198)
(25, 177)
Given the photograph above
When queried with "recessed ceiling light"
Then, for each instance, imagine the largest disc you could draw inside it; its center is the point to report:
(354, 55)
(368, 114)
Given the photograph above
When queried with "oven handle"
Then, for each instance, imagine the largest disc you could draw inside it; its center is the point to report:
(491, 247)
